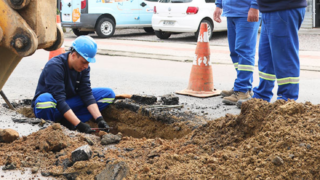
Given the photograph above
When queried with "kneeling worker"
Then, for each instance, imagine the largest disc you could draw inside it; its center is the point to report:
(64, 91)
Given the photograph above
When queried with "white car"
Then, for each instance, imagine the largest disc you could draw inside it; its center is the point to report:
(178, 16)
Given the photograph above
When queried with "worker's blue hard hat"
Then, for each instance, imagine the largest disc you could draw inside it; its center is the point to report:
(86, 47)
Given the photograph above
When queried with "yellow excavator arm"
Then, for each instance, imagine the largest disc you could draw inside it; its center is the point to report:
(25, 26)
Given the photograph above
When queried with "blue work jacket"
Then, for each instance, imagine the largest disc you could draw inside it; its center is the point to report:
(236, 8)
(64, 83)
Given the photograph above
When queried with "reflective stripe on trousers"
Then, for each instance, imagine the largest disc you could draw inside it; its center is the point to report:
(45, 105)
(288, 80)
(266, 76)
(106, 100)
(236, 65)
(245, 68)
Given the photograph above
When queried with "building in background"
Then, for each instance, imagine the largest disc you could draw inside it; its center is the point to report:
(312, 17)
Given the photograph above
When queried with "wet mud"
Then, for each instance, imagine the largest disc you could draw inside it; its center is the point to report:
(266, 141)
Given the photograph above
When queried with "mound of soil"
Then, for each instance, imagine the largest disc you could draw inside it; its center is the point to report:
(266, 141)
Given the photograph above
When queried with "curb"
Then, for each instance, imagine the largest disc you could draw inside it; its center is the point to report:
(187, 59)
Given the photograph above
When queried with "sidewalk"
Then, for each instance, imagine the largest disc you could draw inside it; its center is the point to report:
(181, 52)
(309, 31)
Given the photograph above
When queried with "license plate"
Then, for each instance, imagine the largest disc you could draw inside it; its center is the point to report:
(168, 23)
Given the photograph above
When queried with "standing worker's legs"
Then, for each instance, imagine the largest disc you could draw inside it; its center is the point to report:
(232, 45)
(246, 41)
(284, 44)
(45, 105)
(267, 75)
(232, 41)
(242, 50)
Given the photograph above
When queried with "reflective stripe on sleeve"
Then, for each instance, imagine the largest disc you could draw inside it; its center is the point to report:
(45, 105)
(106, 100)
(245, 67)
(288, 80)
(235, 65)
(269, 77)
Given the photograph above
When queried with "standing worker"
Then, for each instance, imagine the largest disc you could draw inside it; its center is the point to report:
(64, 91)
(279, 49)
(243, 25)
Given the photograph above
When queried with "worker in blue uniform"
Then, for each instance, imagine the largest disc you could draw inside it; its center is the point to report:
(243, 25)
(279, 49)
(64, 91)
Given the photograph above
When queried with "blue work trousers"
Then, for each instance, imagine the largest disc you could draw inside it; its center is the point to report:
(103, 96)
(279, 54)
(242, 37)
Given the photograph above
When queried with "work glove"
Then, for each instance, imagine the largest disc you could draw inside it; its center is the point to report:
(83, 127)
(102, 123)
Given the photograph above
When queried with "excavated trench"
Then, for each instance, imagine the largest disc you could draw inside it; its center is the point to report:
(136, 119)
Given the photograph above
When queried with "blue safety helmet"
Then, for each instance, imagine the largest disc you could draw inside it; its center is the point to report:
(86, 47)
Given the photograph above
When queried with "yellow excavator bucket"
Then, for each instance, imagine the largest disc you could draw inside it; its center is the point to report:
(25, 26)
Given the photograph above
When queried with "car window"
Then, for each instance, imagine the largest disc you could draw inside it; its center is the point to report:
(152, 0)
(175, 1)
(210, 1)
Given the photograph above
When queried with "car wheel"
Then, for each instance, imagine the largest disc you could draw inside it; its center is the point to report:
(162, 35)
(148, 30)
(105, 28)
(80, 33)
(210, 29)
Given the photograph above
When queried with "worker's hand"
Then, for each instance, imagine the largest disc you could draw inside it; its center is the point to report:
(217, 15)
(83, 127)
(102, 123)
(253, 15)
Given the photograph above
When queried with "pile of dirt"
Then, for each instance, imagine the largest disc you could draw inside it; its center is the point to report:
(266, 141)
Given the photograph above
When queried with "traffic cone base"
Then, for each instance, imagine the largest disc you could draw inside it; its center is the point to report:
(201, 79)
(201, 94)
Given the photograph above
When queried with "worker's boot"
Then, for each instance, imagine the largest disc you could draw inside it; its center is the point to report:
(239, 103)
(235, 97)
(226, 93)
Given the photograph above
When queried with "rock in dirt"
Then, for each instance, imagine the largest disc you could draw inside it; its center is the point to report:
(89, 141)
(8, 135)
(71, 176)
(26, 120)
(45, 174)
(116, 171)
(277, 161)
(102, 133)
(9, 167)
(170, 99)
(144, 99)
(83, 153)
(35, 169)
(110, 139)
(65, 163)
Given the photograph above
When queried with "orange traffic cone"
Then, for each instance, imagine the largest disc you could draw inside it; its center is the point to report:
(61, 49)
(201, 79)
